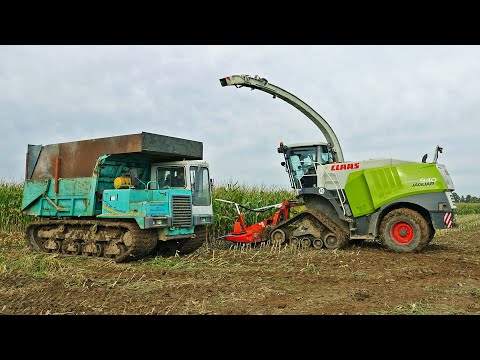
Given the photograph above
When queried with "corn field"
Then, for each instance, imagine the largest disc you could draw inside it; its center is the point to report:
(12, 220)
(467, 209)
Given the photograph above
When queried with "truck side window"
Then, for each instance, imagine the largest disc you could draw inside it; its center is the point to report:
(172, 177)
(201, 194)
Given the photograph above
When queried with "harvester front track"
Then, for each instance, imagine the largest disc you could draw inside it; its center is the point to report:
(310, 228)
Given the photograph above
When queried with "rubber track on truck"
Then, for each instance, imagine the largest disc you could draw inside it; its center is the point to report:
(144, 241)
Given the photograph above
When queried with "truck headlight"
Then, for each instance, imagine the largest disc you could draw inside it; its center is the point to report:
(160, 222)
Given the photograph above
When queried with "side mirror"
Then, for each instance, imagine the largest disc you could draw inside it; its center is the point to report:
(211, 183)
(282, 163)
(424, 158)
(134, 177)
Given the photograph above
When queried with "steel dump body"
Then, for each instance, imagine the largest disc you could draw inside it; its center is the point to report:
(78, 158)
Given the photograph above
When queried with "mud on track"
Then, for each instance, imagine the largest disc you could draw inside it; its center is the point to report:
(362, 279)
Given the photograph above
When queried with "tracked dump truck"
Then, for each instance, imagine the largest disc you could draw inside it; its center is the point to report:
(398, 202)
(118, 197)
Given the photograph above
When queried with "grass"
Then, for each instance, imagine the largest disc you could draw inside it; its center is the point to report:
(245, 280)
(467, 208)
(420, 307)
(470, 221)
(36, 265)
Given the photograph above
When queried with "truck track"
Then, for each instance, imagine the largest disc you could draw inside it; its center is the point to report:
(183, 246)
(118, 240)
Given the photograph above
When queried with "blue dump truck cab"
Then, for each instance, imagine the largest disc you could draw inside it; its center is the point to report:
(118, 197)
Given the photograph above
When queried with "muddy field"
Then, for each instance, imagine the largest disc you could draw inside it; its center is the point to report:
(362, 279)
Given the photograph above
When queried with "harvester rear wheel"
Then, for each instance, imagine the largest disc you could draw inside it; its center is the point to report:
(404, 230)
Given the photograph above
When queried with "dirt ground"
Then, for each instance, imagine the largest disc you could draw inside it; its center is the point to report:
(361, 279)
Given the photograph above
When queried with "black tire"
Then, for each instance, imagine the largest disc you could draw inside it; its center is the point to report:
(278, 237)
(180, 247)
(332, 242)
(168, 248)
(58, 250)
(404, 230)
(317, 243)
(191, 245)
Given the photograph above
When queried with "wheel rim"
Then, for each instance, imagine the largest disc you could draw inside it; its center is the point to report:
(317, 243)
(306, 242)
(58, 250)
(122, 248)
(99, 247)
(71, 247)
(277, 237)
(330, 241)
(294, 241)
(114, 250)
(402, 232)
(85, 251)
(78, 248)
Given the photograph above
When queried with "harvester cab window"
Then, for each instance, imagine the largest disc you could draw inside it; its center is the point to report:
(302, 161)
(325, 155)
(200, 182)
(172, 177)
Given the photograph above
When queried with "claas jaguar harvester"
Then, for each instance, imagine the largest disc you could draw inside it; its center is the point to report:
(118, 197)
(400, 203)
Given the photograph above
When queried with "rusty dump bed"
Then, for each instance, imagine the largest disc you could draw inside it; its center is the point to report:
(78, 158)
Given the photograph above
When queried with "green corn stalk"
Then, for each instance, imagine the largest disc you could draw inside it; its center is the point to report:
(249, 196)
(11, 217)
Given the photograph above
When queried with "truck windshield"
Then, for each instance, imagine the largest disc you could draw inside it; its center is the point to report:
(200, 181)
(171, 177)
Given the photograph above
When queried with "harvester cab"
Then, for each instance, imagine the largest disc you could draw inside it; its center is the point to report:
(400, 203)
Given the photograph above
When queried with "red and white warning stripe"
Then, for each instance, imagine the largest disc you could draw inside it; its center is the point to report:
(447, 219)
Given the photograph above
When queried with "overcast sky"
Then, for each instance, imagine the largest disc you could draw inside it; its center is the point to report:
(381, 101)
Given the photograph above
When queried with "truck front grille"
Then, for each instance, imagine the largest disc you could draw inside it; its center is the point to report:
(181, 211)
